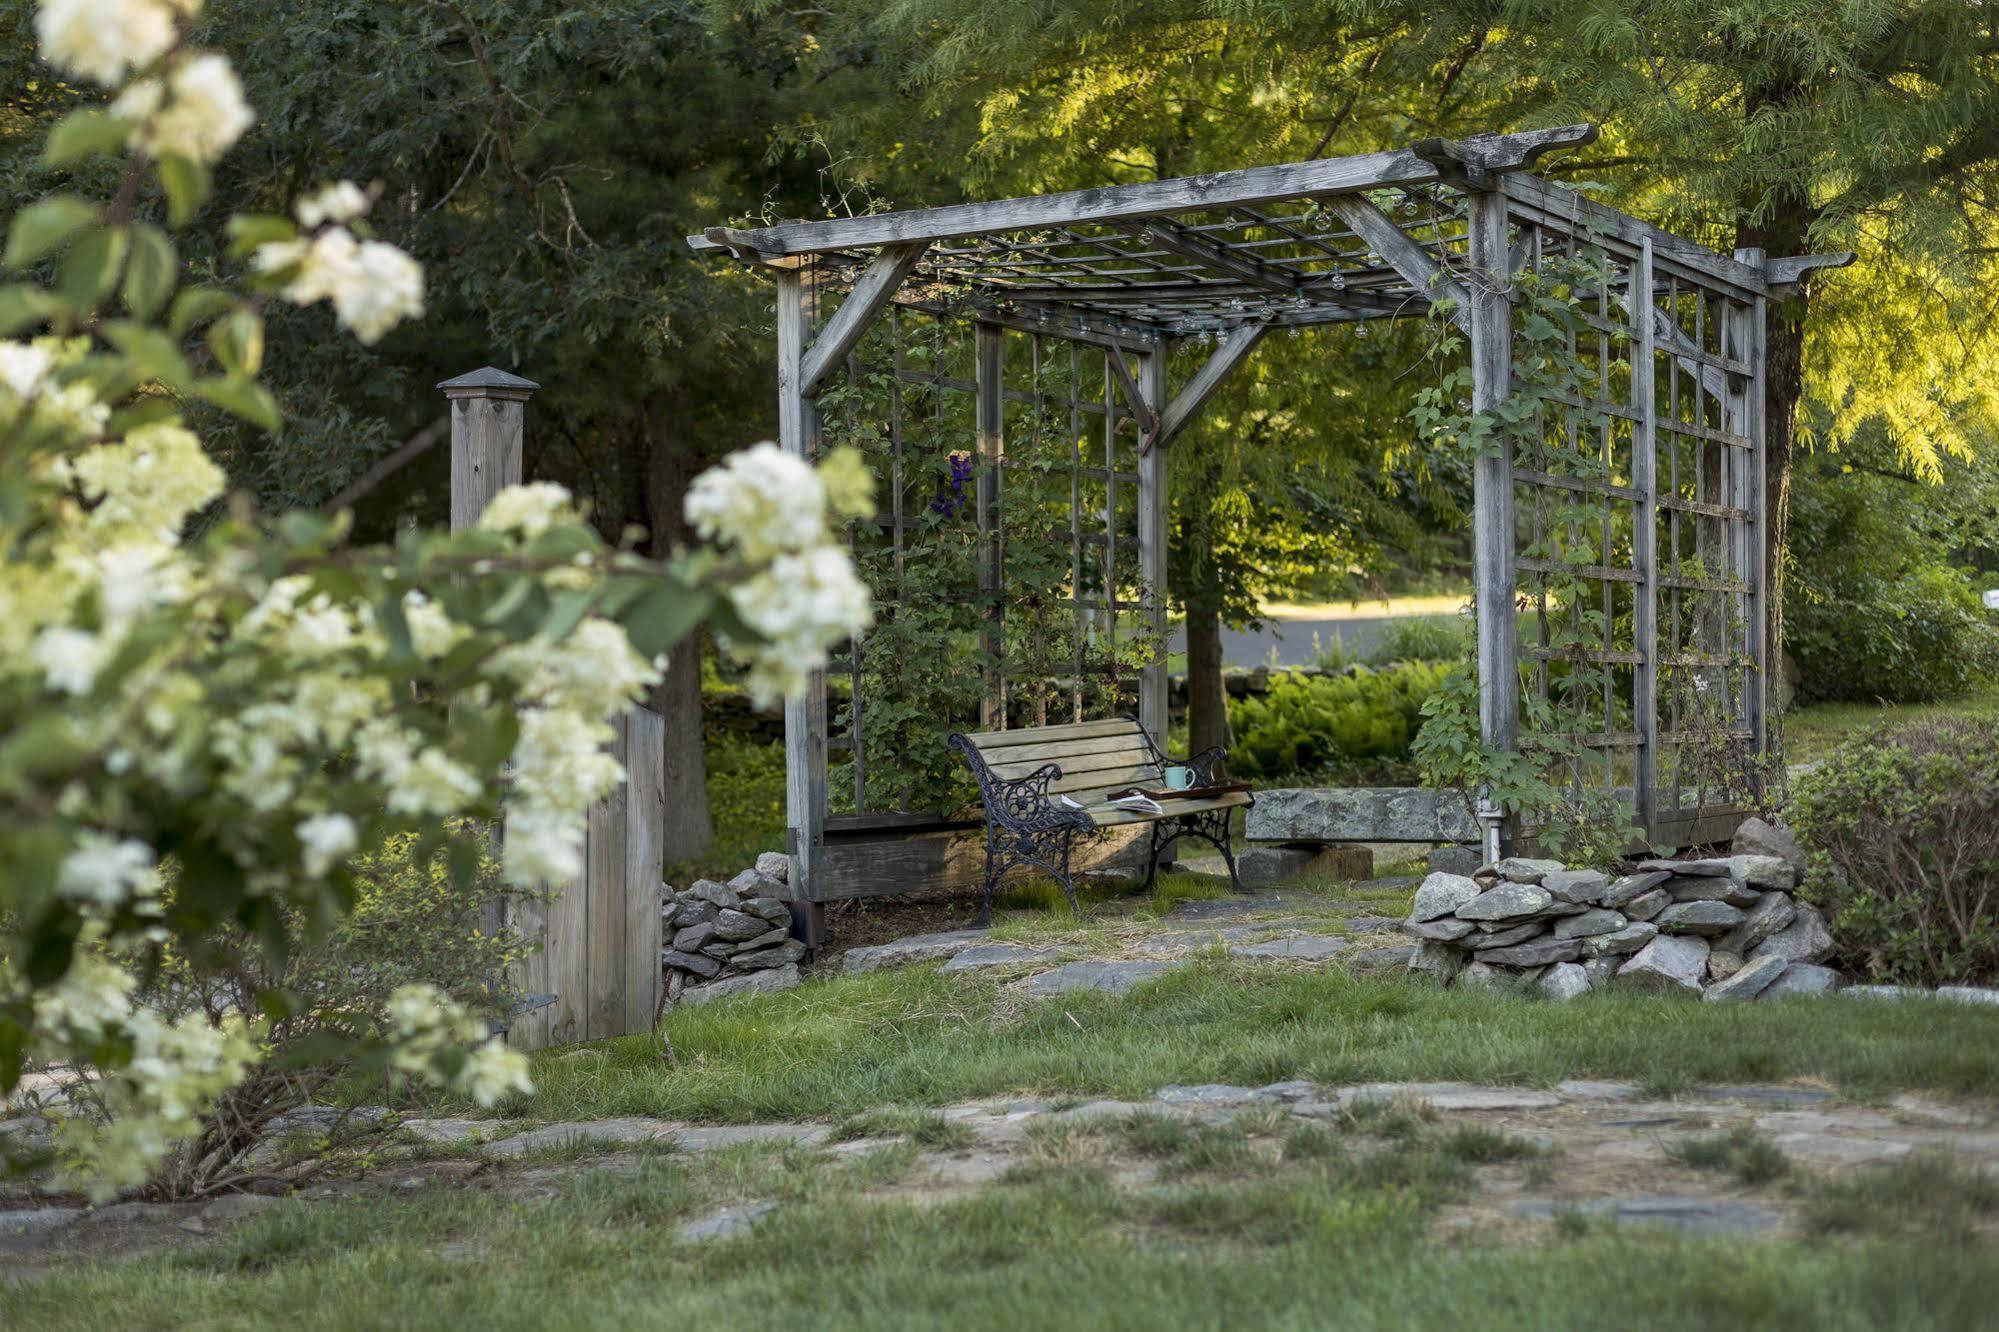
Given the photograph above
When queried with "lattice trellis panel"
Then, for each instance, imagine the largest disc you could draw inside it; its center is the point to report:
(1637, 498)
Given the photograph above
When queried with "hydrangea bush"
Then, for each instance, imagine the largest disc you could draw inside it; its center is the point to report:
(199, 735)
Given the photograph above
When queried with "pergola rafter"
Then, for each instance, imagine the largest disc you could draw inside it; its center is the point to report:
(1138, 269)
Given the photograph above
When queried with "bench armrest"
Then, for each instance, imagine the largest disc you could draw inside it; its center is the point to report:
(1020, 803)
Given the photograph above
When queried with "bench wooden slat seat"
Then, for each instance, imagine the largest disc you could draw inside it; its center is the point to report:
(1024, 774)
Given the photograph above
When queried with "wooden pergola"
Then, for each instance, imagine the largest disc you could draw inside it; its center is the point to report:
(1134, 271)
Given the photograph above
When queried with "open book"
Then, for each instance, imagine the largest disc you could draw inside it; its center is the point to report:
(1134, 800)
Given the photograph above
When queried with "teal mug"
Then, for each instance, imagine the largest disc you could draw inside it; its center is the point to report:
(1178, 776)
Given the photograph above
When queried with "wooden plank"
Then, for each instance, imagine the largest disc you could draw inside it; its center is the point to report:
(1108, 203)
(1059, 321)
(1152, 552)
(1792, 268)
(645, 855)
(805, 714)
(844, 331)
(567, 946)
(1232, 351)
(1491, 334)
(1104, 779)
(950, 857)
(601, 979)
(1036, 734)
(989, 412)
(1401, 252)
(1243, 267)
(1565, 208)
(1109, 816)
(1061, 751)
(1089, 767)
(488, 426)
(1645, 538)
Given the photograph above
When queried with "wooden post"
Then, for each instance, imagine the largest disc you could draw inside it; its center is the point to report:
(645, 860)
(488, 424)
(1645, 536)
(804, 715)
(1152, 548)
(1751, 558)
(1490, 326)
(487, 411)
(989, 416)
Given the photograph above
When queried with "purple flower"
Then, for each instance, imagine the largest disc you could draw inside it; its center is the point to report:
(951, 496)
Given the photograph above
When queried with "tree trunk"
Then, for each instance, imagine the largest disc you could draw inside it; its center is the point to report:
(1779, 222)
(690, 831)
(1207, 698)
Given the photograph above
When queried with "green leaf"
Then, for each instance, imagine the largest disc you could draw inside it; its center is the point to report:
(24, 305)
(152, 272)
(195, 306)
(315, 1047)
(40, 227)
(151, 350)
(664, 616)
(238, 340)
(567, 612)
(85, 133)
(242, 397)
(247, 231)
(186, 182)
(91, 267)
(394, 625)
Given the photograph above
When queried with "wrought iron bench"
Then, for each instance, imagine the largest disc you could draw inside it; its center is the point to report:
(1024, 775)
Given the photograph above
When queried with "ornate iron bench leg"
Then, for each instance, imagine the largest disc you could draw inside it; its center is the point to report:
(1154, 845)
(1068, 840)
(988, 883)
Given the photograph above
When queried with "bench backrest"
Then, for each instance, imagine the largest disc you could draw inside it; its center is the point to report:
(1095, 757)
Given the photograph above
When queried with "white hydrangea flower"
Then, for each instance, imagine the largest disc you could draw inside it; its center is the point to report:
(493, 1072)
(762, 500)
(541, 847)
(560, 764)
(373, 285)
(802, 605)
(594, 670)
(23, 367)
(148, 482)
(324, 841)
(342, 201)
(108, 870)
(528, 510)
(198, 112)
(70, 658)
(92, 998)
(133, 579)
(432, 783)
(432, 632)
(104, 39)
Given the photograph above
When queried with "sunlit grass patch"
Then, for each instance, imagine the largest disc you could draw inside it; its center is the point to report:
(1927, 1194)
(1741, 1151)
(926, 1128)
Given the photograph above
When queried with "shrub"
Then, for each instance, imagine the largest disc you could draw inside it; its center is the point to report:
(1902, 826)
(1918, 636)
(1446, 638)
(1307, 723)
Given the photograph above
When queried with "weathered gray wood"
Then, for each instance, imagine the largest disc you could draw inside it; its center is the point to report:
(1475, 160)
(1691, 358)
(488, 408)
(992, 741)
(844, 331)
(603, 974)
(804, 715)
(1748, 330)
(1110, 816)
(1134, 397)
(566, 944)
(1231, 352)
(1564, 208)
(1400, 251)
(1244, 267)
(1644, 534)
(1055, 321)
(1152, 552)
(989, 412)
(645, 854)
(1491, 335)
(1792, 268)
(1110, 203)
(1360, 814)
(949, 856)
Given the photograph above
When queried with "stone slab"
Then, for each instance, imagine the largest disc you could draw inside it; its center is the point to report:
(1442, 1096)
(726, 1223)
(984, 955)
(915, 948)
(768, 981)
(1110, 977)
(1694, 1216)
(1298, 948)
(1359, 814)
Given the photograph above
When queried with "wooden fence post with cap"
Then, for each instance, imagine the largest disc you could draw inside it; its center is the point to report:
(595, 943)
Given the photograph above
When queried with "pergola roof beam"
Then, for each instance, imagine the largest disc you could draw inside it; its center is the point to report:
(1473, 162)
(1244, 268)
(869, 297)
(1114, 203)
(1566, 208)
(1394, 244)
(1792, 268)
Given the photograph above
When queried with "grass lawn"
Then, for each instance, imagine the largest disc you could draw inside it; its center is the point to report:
(1813, 732)
(1249, 1223)
(915, 1036)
